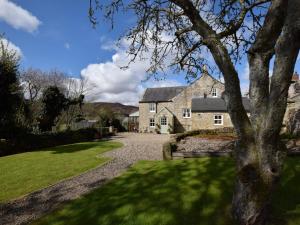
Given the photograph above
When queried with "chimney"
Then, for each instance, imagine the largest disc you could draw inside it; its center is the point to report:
(295, 77)
(204, 70)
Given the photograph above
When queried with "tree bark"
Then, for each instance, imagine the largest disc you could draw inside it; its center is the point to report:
(259, 167)
(259, 162)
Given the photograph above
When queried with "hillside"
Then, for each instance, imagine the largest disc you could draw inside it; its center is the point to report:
(92, 109)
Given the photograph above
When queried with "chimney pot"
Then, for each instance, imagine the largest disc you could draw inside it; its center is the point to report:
(295, 77)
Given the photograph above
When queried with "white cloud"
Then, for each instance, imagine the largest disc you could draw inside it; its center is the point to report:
(18, 17)
(11, 47)
(112, 84)
(67, 45)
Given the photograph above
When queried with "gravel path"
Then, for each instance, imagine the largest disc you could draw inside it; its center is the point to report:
(136, 147)
(197, 144)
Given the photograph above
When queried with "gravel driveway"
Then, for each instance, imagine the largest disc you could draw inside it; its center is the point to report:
(198, 144)
(136, 147)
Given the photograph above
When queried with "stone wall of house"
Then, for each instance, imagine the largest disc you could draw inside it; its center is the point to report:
(206, 120)
(293, 104)
(201, 87)
(145, 115)
(295, 86)
(293, 107)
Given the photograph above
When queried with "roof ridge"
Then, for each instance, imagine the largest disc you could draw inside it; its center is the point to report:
(166, 87)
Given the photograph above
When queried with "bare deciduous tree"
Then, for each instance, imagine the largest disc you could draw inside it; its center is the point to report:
(228, 29)
(74, 88)
(33, 82)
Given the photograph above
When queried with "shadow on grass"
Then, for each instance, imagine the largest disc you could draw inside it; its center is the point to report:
(175, 192)
(286, 203)
(183, 192)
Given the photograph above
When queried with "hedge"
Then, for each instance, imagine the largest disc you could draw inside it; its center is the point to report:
(30, 142)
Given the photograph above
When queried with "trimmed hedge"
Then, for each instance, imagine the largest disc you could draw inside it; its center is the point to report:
(29, 142)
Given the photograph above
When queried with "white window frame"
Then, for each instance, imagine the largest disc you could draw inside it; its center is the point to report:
(152, 107)
(218, 117)
(186, 113)
(165, 121)
(214, 93)
(152, 122)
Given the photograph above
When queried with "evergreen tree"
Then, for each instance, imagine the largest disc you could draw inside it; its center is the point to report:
(54, 102)
(10, 91)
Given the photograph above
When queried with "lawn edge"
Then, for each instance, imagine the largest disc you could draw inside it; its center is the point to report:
(109, 159)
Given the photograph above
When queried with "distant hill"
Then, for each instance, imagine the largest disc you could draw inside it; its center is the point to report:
(91, 109)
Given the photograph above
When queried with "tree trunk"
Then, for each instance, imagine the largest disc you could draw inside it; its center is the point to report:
(259, 166)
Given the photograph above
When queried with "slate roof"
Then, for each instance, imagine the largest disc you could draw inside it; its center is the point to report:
(162, 94)
(214, 104)
(135, 114)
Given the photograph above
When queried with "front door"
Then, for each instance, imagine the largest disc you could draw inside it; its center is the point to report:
(164, 125)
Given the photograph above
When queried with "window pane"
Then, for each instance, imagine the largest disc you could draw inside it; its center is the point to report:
(186, 112)
(218, 119)
(214, 92)
(163, 120)
(152, 122)
(152, 107)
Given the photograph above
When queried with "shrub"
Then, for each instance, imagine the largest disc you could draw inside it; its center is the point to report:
(28, 141)
(168, 148)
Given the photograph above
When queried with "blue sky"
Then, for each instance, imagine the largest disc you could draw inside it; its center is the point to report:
(63, 23)
(57, 34)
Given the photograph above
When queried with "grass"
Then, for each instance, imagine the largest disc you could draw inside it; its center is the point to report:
(30, 171)
(181, 192)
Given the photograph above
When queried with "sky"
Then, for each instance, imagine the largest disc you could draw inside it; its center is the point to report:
(57, 34)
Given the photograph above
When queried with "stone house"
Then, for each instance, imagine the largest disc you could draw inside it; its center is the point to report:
(292, 115)
(133, 122)
(185, 108)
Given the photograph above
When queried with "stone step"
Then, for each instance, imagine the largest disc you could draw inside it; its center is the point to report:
(199, 154)
(180, 155)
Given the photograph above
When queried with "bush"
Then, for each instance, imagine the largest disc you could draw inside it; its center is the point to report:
(28, 142)
(289, 136)
(168, 148)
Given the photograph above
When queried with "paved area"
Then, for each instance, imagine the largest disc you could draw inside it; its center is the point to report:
(197, 144)
(136, 147)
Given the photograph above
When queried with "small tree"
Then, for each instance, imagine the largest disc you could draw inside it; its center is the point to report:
(10, 91)
(74, 90)
(54, 102)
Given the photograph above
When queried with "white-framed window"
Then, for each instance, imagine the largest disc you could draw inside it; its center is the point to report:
(186, 113)
(152, 122)
(214, 92)
(218, 119)
(163, 121)
(152, 107)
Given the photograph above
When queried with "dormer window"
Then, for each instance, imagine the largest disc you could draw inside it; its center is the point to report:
(214, 92)
(152, 107)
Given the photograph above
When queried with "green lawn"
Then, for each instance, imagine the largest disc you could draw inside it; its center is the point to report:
(30, 171)
(182, 192)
